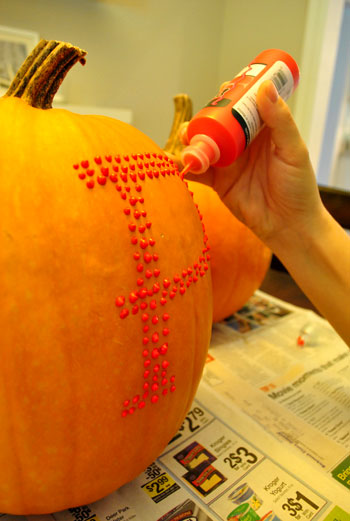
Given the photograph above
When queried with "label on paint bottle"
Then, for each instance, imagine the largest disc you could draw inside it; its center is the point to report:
(245, 110)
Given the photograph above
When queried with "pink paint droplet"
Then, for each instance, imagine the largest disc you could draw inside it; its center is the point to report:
(143, 293)
(133, 297)
(119, 301)
(101, 180)
(124, 313)
(131, 175)
(163, 350)
(155, 338)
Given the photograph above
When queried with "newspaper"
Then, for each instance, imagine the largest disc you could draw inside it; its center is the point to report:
(267, 437)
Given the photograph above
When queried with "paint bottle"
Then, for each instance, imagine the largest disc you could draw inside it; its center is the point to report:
(220, 132)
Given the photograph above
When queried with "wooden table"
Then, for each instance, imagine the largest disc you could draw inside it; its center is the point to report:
(278, 282)
(281, 285)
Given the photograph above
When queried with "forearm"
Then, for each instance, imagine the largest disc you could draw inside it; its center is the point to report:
(318, 259)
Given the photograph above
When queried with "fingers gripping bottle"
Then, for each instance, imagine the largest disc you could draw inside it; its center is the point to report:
(220, 132)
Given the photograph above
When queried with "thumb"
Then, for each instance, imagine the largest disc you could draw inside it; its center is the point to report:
(278, 118)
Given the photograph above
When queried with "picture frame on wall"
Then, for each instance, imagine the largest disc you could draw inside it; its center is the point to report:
(15, 45)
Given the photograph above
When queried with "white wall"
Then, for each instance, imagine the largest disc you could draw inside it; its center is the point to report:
(140, 54)
(255, 25)
(143, 52)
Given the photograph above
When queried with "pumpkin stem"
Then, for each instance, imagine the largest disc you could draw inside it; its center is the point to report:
(183, 113)
(43, 71)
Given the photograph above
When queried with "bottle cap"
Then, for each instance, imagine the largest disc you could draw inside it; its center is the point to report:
(200, 153)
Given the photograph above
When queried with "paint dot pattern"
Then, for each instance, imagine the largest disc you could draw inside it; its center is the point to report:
(148, 301)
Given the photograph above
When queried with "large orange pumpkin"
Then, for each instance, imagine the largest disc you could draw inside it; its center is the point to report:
(105, 311)
(239, 260)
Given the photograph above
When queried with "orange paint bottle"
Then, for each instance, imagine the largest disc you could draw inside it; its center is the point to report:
(220, 132)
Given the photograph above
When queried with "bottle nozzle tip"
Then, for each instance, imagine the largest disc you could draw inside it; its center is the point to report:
(201, 153)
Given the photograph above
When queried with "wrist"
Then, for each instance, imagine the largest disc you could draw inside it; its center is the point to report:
(301, 235)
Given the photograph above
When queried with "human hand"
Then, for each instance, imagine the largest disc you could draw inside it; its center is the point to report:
(272, 187)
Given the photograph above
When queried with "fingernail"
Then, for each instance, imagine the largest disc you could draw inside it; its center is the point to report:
(272, 92)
